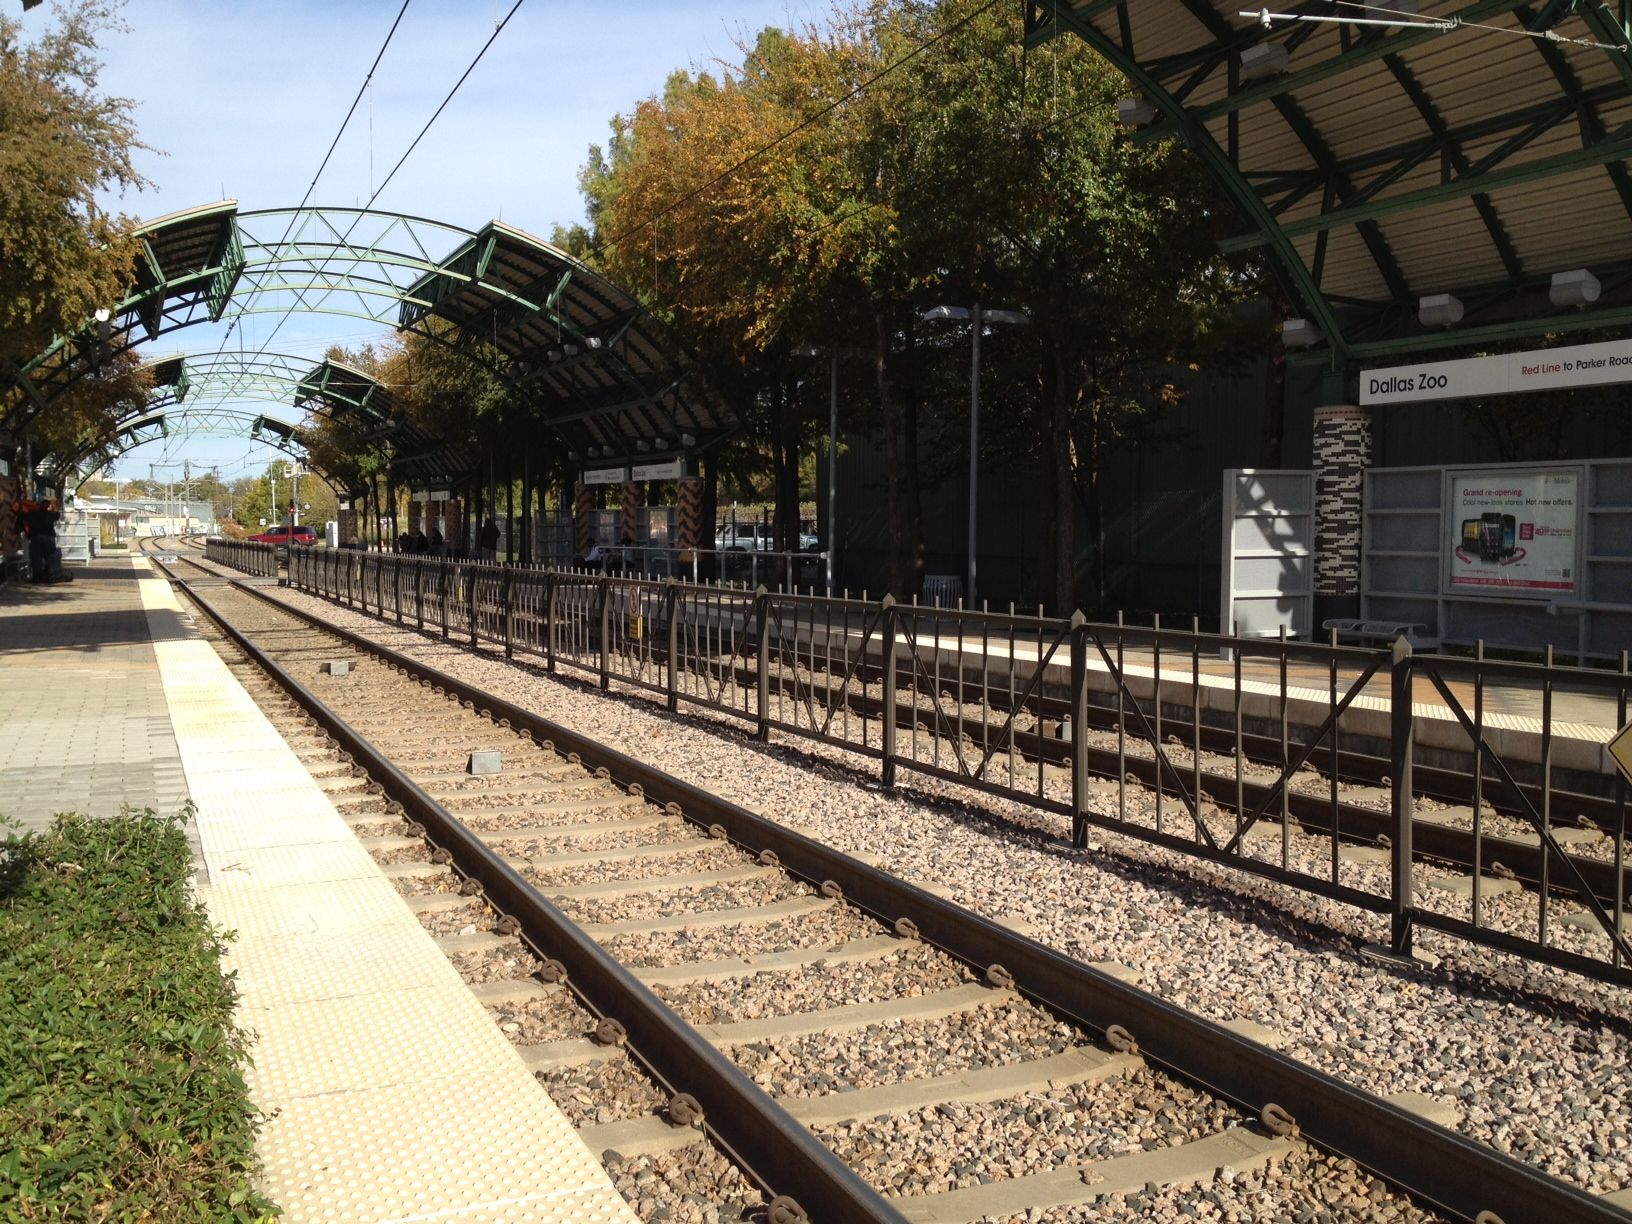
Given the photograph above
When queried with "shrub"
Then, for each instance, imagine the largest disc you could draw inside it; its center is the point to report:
(122, 1095)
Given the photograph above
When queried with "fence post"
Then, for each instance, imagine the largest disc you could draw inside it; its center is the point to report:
(471, 583)
(888, 614)
(1079, 728)
(606, 633)
(441, 593)
(673, 679)
(509, 612)
(762, 648)
(1401, 727)
(551, 589)
(396, 589)
(419, 596)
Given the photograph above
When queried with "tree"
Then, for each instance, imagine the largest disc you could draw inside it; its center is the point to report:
(62, 256)
(1108, 243)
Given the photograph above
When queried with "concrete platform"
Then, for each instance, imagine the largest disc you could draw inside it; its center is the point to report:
(390, 1093)
(83, 723)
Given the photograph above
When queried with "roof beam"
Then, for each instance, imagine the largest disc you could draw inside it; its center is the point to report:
(1361, 53)
(1592, 126)
(1614, 148)
(1295, 275)
(1494, 228)
(1309, 136)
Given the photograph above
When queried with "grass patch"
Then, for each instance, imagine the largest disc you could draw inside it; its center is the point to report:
(122, 1094)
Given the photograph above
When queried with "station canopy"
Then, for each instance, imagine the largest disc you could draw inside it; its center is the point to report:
(1382, 154)
(589, 365)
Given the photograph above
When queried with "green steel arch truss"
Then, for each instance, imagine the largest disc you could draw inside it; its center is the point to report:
(1374, 164)
(593, 367)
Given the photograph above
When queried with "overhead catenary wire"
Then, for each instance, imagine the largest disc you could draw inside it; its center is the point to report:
(1405, 19)
(368, 79)
(300, 298)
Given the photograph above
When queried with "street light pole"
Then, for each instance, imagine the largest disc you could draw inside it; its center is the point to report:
(978, 318)
(832, 465)
(974, 449)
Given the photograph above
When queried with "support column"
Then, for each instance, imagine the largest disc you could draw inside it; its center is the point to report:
(688, 526)
(11, 489)
(347, 520)
(455, 533)
(629, 510)
(416, 510)
(1342, 449)
(583, 510)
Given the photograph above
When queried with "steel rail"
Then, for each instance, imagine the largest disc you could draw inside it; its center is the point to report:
(1428, 1161)
(781, 1152)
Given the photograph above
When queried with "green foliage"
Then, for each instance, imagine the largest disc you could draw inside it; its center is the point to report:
(122, 1095)
(62, 256)
(903, 154)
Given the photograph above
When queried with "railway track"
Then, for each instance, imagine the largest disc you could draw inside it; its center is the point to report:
(1286, 821)
(673, 963)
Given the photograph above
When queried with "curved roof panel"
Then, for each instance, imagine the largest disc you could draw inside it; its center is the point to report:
(1382, 153)
(596, 367)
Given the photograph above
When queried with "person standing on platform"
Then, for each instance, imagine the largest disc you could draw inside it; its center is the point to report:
(40, 523)
(487, 543)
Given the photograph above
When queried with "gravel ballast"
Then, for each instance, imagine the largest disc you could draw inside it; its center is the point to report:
(1536, 1060)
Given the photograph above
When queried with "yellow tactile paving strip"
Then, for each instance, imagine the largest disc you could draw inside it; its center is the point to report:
(392, 1096)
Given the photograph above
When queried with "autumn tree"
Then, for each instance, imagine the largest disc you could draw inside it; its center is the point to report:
(63, 256)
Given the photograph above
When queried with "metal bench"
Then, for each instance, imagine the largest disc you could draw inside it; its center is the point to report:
(1383, 631)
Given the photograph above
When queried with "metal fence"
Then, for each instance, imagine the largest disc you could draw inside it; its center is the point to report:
(260, 560)
(1102, 726)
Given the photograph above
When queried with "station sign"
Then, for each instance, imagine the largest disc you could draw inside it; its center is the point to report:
(604, 476)
(1581, 365)
(672, 470)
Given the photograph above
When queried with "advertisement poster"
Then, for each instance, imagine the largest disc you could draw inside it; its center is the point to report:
(1514, 533)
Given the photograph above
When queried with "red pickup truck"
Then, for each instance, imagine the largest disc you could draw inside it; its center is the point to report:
(284, 534)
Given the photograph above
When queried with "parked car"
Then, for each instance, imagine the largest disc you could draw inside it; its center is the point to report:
(284, 534)
(745, 537)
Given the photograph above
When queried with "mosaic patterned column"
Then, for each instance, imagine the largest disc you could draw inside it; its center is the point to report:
(630, 508)
(458, 538)
(416, 512)
(583, 508)
(347, 519)
(689, 516)
(1342, 445)
(10, 537)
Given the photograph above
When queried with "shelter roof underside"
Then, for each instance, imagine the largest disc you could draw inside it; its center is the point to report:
(593, 368)
(1384, 163)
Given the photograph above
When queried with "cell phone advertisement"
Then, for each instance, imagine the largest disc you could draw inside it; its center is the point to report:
(1514, 533)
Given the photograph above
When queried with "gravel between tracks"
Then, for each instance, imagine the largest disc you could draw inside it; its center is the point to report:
(909, 971)
(1539, 1061)
(903, 1049)
(996, 1140)
(822, 928)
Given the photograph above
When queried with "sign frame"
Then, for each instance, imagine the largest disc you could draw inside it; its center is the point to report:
(1581, 365)
(1508, 474)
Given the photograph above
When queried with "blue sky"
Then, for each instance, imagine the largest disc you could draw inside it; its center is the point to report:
(242, 98)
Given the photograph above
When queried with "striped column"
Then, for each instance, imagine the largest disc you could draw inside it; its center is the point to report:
(1342, 447)
(11, 489)
(628, 516)
(458, 538)
(583, 508)
(689, 513)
